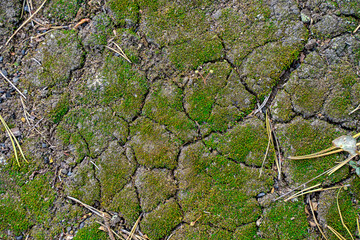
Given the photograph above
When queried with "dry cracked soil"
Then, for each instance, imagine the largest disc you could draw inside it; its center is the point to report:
(170, 128)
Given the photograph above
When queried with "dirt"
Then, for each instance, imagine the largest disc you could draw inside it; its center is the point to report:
(170, 128)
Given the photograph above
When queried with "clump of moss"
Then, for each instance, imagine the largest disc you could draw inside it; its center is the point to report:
(62, 107)
(101, 31)
(247, 231)
(126, 203)
(90, 232)
(162, 220)
(91, 130)
(201, 232)
(124, 12)
(115, 171)
(285, 220)
(154, 187)
(63, 10)
(246, 142)
(153, 145)
(164, 105)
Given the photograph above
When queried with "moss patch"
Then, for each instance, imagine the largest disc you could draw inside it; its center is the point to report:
(63, 10)
(91, 129)
(201, 232)
(285, 220)
(162, 220)
(246, 142)
(90, 232)
(115, 171)
(154, 186)
(164, 105)
(153, 145)
(62, 107)
(124, 12)
(302, 137)
(246, 232)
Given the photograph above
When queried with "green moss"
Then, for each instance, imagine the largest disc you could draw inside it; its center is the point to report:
(62, 107)
(247, 142)
(83, 185)
(91, 129)
(197, 51)
(153, 145)
(127, 204)
(217, 189)
(125, 87)
(246, 232)
(200, 97)
(103, 27)
(11, 210)
(90, 232)
(349, 213)
(285, 220)
(154, 187)
(222, 118)
(162, 220)
(164, 105)
(302, 137)
(115, 171)
(123, 10)
(201, 232)
(63, 10)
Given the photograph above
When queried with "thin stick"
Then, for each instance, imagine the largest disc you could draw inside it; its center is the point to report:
(342, 220)
(133, 229)
(117, 235)
(24, 23)
(357, 28)
(12, 85)
(316, 222)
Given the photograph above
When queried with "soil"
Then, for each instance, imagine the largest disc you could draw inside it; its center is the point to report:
(158, 113)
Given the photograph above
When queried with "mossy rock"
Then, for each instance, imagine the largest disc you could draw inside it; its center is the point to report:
(330, 26)
(301, 137)
(285, 220)
(126, 203)
(162, 220)
(10, 12)
(201, 232)
(153, 145)
(164, 104)
(57, 113)
(154, 187)
(100, 30)
(246, 143)
(115, 170)
(91, 129)
(281, 109)
(83, 185)
(59, 55)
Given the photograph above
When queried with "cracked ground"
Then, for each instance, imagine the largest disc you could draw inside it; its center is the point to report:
(170, 129)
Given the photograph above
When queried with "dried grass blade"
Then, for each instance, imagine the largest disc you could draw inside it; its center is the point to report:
(117, 235)
(123, 53)
(302, 192)
(133, 229)
(114, 50)
(12, 85)
(340, 165)
(315, 156)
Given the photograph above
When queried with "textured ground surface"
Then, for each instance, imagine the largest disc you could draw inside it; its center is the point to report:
(174, 136)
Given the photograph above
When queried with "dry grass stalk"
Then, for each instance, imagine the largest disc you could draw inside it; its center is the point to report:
(24, 23)
(307, 190)
(133, 229)
(14, 142)
(12, 85)
(120, 52)
(315, 220)
(270, 142)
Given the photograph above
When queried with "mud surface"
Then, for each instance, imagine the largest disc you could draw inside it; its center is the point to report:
(170, 128)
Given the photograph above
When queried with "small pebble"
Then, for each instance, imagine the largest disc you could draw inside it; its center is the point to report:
(26, 9)
(44, 145)
(46, 160)
(23, 52)
(260, 195)
(69, 173)
(68, 229)
(1, 59)
(15, 80)
(19, 237)
(4, 72)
